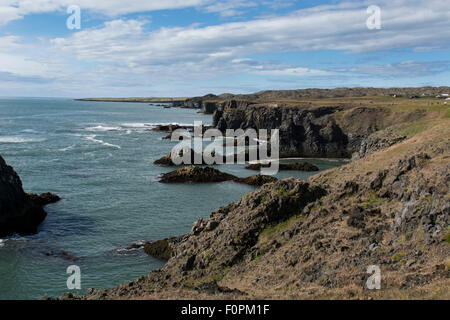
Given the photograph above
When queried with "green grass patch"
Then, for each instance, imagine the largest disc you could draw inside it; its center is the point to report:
(412, 129)
(373, 199)
(261, 252)
(262, 200)
(447, 237)
(276, 228)
(398, 256)
(282, 192)
(207, 254)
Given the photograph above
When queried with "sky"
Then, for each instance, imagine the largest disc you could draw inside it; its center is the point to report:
(184, 48)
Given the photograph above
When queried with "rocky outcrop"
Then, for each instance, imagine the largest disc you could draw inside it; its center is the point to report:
(311, 131)
(161, 249)
(378, 141)
(210, 103)
(208, 175)
(257, 180)
(44, 198)
(195, 175)
(298, 166)
(19, 212)
(304, 131)
(243, 157)
(196, 103)
(167, 160)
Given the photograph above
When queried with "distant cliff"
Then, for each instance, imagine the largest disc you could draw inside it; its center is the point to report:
(311, 131)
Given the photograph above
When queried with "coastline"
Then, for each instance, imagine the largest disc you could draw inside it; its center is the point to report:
(358, 201)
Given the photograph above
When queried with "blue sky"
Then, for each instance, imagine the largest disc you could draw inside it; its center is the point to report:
(195, 47)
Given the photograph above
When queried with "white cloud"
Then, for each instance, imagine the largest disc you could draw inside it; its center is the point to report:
(21, 65)
(228, 8)
(122, 52)
(16, 9)
(323, 28)
(294, 71)
(9, 43)
(401, 69)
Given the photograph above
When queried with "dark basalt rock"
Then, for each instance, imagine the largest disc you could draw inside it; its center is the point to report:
(161, 249)
(299, 166)
(196, 175)
(312, 131)
(207, 175)
(19, 212)
(167, 160)
(44, 198)
(258, 180)
(304, 131)
(66, 255)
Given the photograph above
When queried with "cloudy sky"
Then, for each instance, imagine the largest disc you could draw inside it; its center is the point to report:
(195, 47)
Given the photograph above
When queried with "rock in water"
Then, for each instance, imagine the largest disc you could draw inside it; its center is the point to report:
(298, 166)
(19, 212)
(207, 175)
(44, 198)
(197, 175)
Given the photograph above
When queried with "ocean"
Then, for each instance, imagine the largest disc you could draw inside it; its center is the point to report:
(98, 156)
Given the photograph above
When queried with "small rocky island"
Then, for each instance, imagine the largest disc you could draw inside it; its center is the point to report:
(195, 174)
(20, 213)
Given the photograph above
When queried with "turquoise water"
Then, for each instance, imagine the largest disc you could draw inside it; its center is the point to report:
(99, 158)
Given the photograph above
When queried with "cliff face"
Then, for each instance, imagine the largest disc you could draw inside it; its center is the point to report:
(19, 212)
(210, 103)
(304, 131)
(309, 131)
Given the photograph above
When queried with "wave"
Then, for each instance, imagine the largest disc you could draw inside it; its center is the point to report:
(19, 139)
(67, 148)
(152, 124)
(136, 125)
(102, 128)
(93, 139)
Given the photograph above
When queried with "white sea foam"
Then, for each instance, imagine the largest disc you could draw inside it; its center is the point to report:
(103, 128)
(136, 125)
(2, 243)
(67, 148)
(152, 124)
(93, 139)
(18, 139)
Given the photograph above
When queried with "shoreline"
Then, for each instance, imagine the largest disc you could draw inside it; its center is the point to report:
(232, 251)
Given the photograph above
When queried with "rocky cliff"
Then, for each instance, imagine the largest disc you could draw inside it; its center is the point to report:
(311, 131)
(19, 212)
